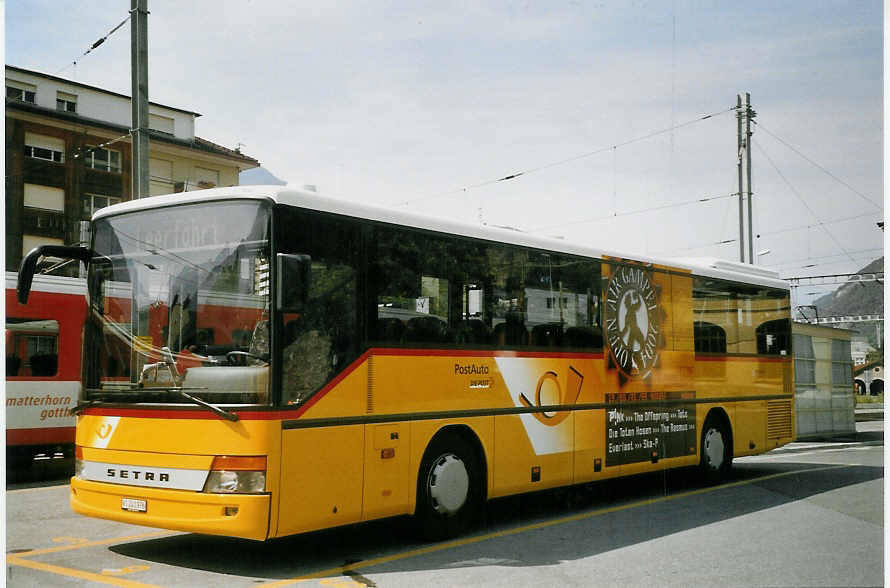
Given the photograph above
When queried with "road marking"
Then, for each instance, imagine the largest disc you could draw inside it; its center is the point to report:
(344, 583)
(341, 570)
(124, 571)
(73, 540)
(46, 550)
(15, 560)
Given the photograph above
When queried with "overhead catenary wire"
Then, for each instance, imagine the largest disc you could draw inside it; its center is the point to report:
(766, 234)
(811, 226)
(859, 253)
(823, 266)
(542, 167)
(95, 44)
(637, 211)
(815, 164)
(81, 152)
(803, 201)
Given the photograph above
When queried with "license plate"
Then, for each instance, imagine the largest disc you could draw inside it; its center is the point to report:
(133, 504)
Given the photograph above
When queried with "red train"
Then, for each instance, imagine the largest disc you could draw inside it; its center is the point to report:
(43, 351)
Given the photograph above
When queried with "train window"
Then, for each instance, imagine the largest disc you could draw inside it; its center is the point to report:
(32, 347)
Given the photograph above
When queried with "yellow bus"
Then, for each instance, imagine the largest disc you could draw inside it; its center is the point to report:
(260, 362)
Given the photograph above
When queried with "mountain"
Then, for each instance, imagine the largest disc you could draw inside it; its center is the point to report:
(857, 298)
(259, 176)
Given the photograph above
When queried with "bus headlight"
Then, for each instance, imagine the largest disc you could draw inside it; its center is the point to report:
(237, 475)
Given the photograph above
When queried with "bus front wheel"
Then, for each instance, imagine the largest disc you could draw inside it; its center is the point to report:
(716, 450)
(447, 488)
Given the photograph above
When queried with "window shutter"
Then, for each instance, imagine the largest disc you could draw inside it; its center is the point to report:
(45, 142)
(44, 197)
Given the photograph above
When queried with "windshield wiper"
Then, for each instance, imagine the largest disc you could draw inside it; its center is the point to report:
(229, 416)
(126, 392)
(82, 406)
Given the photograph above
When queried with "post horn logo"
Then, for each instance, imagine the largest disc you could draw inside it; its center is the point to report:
(554, 395)
(633, 322)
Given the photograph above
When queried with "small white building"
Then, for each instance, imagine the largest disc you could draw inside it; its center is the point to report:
(823, 381)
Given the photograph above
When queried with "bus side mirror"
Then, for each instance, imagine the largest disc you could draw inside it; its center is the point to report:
(29, 264)
(294, 271)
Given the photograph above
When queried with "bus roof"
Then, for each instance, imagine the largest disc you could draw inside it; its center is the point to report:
(710, 267)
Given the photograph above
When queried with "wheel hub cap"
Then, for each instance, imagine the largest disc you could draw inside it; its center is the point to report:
(449, 484)
(714, 449)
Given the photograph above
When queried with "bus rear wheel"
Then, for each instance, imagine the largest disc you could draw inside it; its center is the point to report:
(448, 492)
(716, 450)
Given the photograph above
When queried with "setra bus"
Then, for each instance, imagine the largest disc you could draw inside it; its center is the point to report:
(43, 346)
(260, 362)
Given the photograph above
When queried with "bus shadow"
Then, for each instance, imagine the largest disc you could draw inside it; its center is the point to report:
(609, 515)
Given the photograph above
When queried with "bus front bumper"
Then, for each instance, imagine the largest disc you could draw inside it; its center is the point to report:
(233, 515)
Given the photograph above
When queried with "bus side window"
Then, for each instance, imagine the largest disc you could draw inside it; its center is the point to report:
(740, 318)
(319, 334)
(412, 289)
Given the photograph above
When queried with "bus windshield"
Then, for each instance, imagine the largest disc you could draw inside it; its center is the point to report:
(179, 301)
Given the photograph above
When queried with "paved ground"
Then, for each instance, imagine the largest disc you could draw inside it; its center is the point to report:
(807, 514)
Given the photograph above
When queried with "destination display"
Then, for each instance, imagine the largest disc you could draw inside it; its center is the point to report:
(642, 432)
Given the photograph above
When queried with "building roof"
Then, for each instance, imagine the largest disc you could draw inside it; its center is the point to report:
(95, 88)
(210, 145)
(196, 143)
(826, 331)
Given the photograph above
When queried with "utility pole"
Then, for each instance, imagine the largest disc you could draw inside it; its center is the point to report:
(744, 113)
(139, 100)
(749, 114)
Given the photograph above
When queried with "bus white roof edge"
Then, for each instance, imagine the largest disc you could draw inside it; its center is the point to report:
(729, 266)
(712, 267)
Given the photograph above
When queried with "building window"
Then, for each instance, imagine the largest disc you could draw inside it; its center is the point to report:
(103, 159)
(43, 153)
(21, 92)
(66, 102)
(93, 202)
(44, 147)
(206, 178)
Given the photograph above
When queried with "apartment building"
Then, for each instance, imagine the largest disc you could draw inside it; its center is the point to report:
(68, 153)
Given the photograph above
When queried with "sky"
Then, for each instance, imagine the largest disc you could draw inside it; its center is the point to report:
(599, 107)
